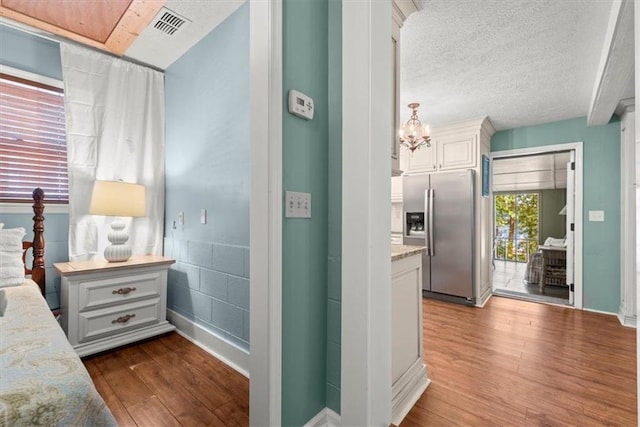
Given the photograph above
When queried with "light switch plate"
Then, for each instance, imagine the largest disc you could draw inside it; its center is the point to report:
(203, 216)
(298, 205)
(181, 218)
(596, 216)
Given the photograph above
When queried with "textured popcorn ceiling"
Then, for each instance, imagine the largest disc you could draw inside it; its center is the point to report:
(519, 62)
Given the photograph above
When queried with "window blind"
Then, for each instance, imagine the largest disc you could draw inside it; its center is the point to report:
(33, 146)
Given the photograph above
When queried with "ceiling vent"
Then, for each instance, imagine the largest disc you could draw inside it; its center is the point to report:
(169, 22)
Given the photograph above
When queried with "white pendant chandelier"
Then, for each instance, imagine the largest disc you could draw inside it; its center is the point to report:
(413, 134)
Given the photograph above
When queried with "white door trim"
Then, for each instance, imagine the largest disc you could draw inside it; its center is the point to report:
(366, 223)
(266, 212)
(577, 146)
(637, 169)
(626, 313)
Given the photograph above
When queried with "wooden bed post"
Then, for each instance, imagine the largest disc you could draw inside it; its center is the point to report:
(38, 270)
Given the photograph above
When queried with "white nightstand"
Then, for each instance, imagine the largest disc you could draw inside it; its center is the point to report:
(108, 304)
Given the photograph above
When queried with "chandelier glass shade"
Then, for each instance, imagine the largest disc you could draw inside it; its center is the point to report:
(414, 134)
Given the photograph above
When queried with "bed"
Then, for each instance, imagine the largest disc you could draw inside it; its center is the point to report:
(42, 379)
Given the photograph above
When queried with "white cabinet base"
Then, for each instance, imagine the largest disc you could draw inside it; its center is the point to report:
(122, 339)
(408, 371)
(407, 390)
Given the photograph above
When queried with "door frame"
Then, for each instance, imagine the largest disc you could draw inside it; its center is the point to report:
(366, 223)
(578, 206)
(265, 357)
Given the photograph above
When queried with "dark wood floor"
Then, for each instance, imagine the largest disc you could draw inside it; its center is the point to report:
(168, 381)
(512, 363)
(517, 363)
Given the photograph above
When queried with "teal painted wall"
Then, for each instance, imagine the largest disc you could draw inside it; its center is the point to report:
(39, 56)
(208, 167)
(601, 181)
(304, 241)
(334, 258)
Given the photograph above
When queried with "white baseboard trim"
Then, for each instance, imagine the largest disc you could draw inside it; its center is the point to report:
(484, 300)
(628, 321)
(608, 313)
(325, 418)
(218, 347)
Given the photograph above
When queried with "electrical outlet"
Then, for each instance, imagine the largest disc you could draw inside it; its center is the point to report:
(298, 205)
(181, 218)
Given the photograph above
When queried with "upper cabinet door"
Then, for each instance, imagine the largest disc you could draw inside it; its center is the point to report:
(456, 151)
(421, 160)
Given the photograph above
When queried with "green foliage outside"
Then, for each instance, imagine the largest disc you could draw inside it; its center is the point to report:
(516, 222)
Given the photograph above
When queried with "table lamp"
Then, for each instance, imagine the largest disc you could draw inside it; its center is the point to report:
(118, 199)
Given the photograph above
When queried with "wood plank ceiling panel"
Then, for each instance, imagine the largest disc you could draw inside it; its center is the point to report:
(92, 19)
(110, 25)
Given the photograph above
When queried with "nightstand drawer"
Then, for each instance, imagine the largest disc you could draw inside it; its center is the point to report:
(97, 324)
(98, 293)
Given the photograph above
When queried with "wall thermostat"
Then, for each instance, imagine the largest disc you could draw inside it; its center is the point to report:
(300, 105)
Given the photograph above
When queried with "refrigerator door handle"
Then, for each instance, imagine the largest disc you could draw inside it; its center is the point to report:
(426, 225)
(432, 249)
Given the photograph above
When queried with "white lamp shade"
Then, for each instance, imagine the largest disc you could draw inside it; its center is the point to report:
(117, 198)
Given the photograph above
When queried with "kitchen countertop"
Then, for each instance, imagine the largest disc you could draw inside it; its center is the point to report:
(403, 251)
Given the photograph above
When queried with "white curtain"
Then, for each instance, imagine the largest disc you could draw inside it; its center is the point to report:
(115, 131)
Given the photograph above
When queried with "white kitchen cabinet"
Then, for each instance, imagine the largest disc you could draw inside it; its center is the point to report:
(396, 210)
(401, 9)
(396, 218)
(105, 305)
(422, 160)
(396, 189)
(453, 147)
(408, 370)
(456, 152)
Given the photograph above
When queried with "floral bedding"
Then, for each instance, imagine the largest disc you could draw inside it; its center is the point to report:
(42, 379)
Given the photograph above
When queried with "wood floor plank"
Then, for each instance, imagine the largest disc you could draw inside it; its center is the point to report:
(468, 409)
(178, 388)
(198, 380)
(184, 406)
(234, 381)
(110, 398)
(117, 373)
(152, 413)
(520, 363)
(234, 413)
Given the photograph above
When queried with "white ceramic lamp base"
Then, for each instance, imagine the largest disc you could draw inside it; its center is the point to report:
(119, 250)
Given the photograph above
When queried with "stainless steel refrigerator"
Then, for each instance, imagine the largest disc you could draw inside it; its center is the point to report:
(438, 213)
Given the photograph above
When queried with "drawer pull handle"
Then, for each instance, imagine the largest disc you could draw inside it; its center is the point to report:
(123, 291)
(124, 319)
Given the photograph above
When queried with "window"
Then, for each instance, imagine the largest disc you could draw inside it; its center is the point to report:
(516, 225)
(33, 146)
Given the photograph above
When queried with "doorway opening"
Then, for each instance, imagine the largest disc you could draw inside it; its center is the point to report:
(532, 253)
